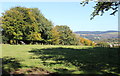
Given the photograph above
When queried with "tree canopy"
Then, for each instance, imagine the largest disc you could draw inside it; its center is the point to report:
(101, 7)
(66, 36)
(20, 23)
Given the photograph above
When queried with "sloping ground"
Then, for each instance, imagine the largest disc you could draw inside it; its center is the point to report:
(57, 59)
(95, 32)
(98, 35)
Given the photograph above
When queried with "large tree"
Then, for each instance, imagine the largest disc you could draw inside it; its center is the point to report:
(102, 6)
(66, 36)
(44, 25)
(20, 23)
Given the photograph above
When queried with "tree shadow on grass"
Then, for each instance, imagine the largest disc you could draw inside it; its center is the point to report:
(95, 60)
(9, 65)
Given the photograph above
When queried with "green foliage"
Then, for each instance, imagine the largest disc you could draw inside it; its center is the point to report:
(102, 44)
(55, 36)
(44, 25)
(34, 36)
(102, 7)
(4, 39)
(66, 36)
(20, 23)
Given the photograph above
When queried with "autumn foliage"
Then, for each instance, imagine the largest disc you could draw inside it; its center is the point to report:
(87, 42)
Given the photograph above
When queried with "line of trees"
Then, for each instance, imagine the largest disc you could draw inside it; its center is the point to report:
(30, 26)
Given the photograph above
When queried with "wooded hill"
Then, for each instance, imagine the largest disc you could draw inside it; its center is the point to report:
(98, 35)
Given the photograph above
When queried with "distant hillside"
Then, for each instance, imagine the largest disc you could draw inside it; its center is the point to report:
(98, 35)
(95, 32)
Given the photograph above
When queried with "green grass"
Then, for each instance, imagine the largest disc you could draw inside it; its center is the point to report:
(66, 59)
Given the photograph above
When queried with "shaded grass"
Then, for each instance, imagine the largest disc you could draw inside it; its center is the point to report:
(67, 59)
(10, 64)
(84, 61)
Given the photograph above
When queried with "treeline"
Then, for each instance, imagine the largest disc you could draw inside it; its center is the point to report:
(30, 26)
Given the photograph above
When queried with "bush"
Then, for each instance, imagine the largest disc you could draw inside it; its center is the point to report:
(102, 44)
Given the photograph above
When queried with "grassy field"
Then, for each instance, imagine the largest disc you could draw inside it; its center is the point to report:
(62, 59)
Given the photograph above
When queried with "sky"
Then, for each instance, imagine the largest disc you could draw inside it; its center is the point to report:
(71, 14)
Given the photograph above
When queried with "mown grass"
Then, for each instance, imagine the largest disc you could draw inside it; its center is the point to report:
(66, 59)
